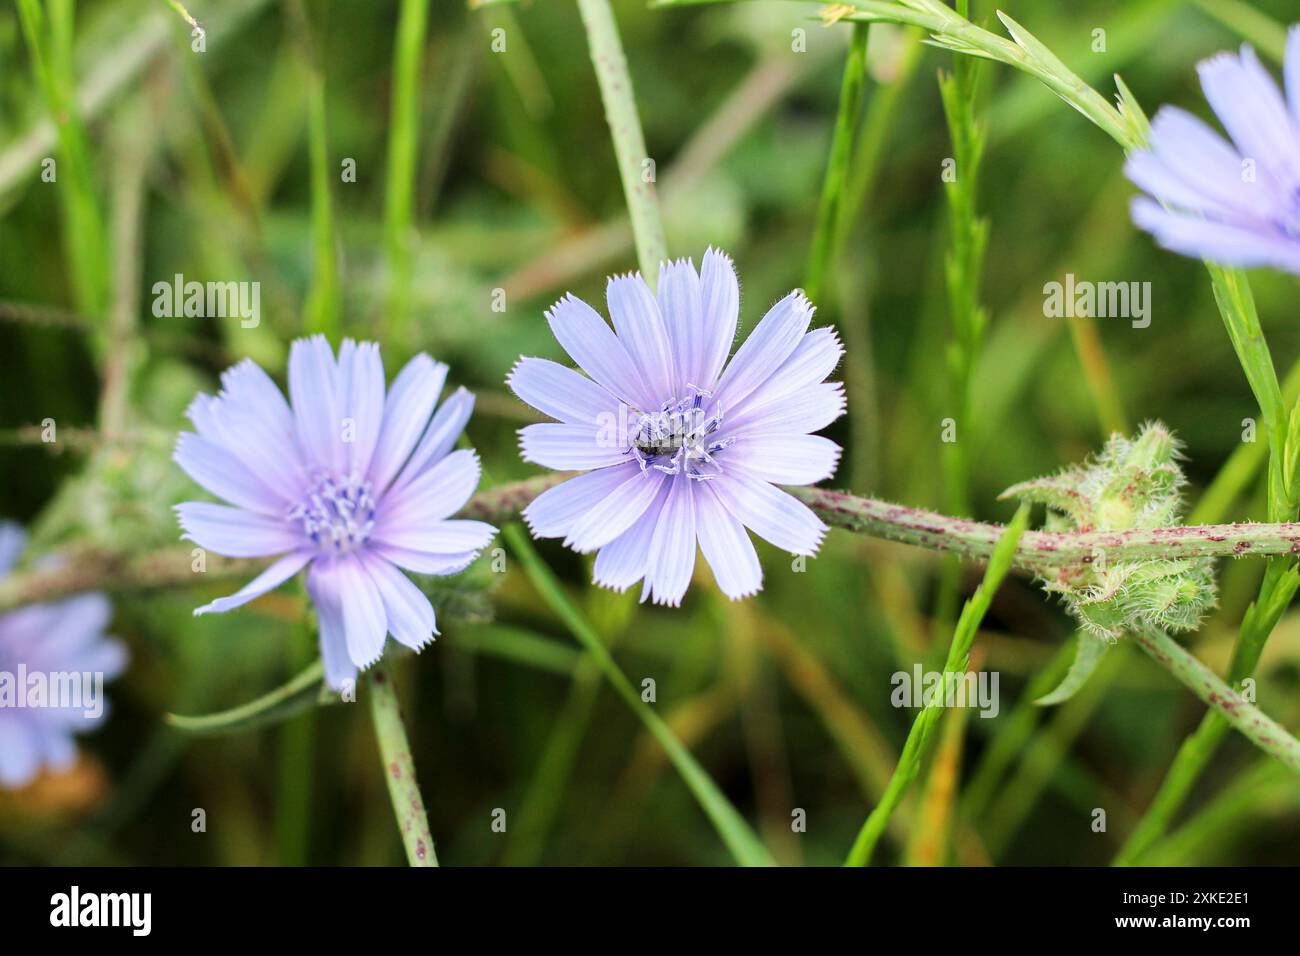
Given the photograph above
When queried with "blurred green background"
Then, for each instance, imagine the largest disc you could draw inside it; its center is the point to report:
(200, 163)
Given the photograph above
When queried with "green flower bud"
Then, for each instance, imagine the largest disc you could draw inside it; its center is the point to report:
(1132, 484)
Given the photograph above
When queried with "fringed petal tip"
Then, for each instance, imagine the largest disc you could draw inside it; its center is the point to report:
(615, 586)
(743, 595)
(662, 600)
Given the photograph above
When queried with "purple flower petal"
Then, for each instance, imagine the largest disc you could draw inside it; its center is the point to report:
(365, 625)
(622, 562)
(609, 516)
(598, 351)
(425, 562)
(324, 589)
(568, 447)
(443, 431)
(275, 574)
(561, 392)
(407, 408)
(1250, 106)
(361, 402)
(1150, 173)
(438, 493)
(312, 393)
(237, 533)
(436, 536)
(220, 472)
(1206, 239)
(1291, 71)
(770, 513)
(726, 546)
(408, 611)
(681, 303)
(786, 459)
(257, 441)
(772, 342)
(720, 293)
(552, 513)
(808, 410)
(20, 758)
(671, 557)
(640, 327)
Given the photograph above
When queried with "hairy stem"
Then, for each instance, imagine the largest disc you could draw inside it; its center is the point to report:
(1038, 552)
(399, 769)
(635, 168)
(1260, 729)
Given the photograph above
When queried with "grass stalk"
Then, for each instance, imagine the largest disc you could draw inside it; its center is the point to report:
(738, 836)
(837, 165)
(403, 145)
(915, 747)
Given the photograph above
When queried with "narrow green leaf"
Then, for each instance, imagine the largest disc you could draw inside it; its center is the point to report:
(1089, 651)
(739, 837)
(305, 691)
(914, 748)
(1134, 116)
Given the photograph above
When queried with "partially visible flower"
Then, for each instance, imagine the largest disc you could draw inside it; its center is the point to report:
(347, 480)
(54, 659)
(677, 449)
(1237, 204)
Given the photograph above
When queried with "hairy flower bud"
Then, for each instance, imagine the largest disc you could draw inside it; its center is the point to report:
(1132, 484)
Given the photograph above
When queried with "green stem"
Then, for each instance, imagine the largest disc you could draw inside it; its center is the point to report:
(1279, 586)
(1260, 729)
(634, 166)
(837, 166)
(399, 769)
(740, 839)
(321, 311)
(403, 142)
(83, 235)
(914, 749)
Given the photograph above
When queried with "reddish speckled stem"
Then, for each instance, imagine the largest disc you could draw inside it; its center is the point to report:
(1046, 549)
(399, 769)
(1261, 729)
(1039, 551)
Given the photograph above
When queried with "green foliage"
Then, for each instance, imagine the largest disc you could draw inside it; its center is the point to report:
(506, 178)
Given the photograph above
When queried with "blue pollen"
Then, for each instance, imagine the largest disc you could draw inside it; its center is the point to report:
(337, 514)
(677, 438)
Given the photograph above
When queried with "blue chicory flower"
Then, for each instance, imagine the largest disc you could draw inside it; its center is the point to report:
(345, 480)
(1235, 203)
(677, 449)
(54, 660)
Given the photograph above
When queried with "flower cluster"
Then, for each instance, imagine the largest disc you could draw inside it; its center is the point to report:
(681, 448)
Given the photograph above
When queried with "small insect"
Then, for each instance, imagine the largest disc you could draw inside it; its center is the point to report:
(654, 441)
(676, 438)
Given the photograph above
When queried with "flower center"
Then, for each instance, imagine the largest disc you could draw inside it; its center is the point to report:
(337, 514)
(678, 437)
